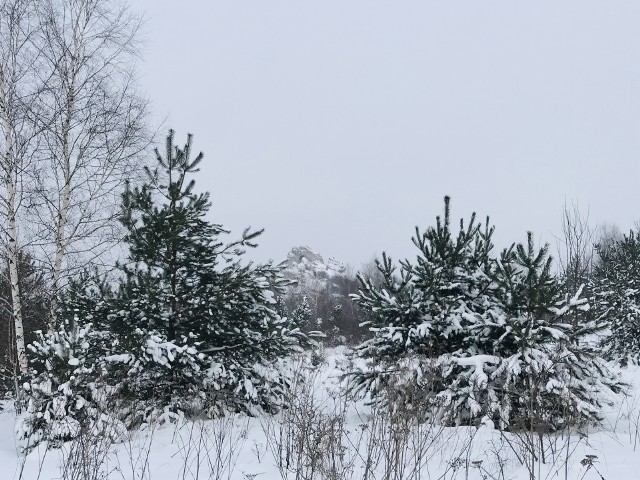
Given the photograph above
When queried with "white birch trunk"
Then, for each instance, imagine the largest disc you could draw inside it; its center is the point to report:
(61, 223)
(65, 164)
(13, 253)
(60, 250)
(9, 167)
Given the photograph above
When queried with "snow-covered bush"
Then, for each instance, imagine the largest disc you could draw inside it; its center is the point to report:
(492, 339)
(150, 374)
(64, 393)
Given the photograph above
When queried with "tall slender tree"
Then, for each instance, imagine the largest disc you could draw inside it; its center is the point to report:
(18, 92)
(93, 130)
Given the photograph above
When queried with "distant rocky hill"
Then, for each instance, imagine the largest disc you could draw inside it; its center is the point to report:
(321, 292)
(310, 270)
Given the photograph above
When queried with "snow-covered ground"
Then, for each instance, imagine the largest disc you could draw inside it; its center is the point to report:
(326, 436)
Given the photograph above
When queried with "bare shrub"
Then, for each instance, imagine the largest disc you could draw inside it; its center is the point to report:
(313, 438)
(544, 451)
(401, 437)
(210, 449)
(627, 423)
(86, 457)
(308, 439)
(575, 246)
(134, 461)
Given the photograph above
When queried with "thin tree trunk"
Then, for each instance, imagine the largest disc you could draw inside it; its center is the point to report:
(60, 245)
(16, 301)
(9, 166)
(63, 215)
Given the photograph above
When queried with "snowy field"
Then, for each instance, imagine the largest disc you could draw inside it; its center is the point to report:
(326, 436)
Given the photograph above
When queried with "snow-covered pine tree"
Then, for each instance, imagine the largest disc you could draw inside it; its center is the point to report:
(426, 310)
(484, 339)
(301, 315)
(616, 297)
(197, 327)
(548, 373)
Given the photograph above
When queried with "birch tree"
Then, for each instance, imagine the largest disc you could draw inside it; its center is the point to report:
(93, 123)
(17, 91)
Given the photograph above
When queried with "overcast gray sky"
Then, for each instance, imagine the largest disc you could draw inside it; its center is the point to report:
(341, 124)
